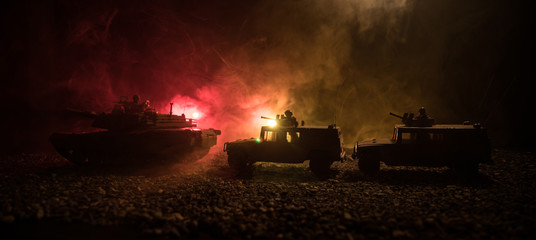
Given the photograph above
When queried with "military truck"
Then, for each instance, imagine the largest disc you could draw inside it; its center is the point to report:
(135, 132)
(286, 142)
(421, 142)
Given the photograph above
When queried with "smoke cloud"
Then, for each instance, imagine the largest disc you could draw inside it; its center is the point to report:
(346, 62)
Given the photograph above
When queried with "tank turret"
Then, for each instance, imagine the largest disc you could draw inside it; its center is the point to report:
(421, 120)
(127, 115)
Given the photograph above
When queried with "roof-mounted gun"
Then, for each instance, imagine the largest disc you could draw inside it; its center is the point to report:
(80, 113)
(286, 120)
(422, 120)
(406, 119)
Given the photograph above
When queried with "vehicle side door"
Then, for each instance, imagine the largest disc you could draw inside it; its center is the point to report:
(278, 145)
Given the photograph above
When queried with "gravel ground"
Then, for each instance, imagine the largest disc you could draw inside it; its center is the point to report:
(43, 196)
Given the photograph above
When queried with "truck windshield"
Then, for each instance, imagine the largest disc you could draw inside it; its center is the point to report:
(280, 136)
(419, 137)
(269, 136)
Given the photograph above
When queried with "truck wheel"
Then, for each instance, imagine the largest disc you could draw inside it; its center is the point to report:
(320, 165)
(239, 161)
(369, 165)
(465, 166)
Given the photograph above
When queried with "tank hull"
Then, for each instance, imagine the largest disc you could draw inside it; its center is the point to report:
(137, 145)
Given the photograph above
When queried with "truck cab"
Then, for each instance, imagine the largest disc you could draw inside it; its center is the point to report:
(289, 144)
(460, 147)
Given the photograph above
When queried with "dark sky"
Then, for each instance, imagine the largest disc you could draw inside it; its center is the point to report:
(344, 61)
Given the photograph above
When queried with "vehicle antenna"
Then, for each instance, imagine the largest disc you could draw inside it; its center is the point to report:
(335, 119)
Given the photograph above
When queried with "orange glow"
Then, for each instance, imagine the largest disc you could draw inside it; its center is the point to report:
(236, 115)
(272, 123)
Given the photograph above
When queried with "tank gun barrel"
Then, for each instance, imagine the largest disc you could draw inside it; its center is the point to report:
(395, 115)
(81, 113)
(263, 117)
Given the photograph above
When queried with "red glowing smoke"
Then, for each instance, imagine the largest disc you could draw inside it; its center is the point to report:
(234, 62)
(349, 62)
(236, 116)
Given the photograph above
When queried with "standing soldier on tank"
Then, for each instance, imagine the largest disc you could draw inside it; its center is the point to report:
(135, 106)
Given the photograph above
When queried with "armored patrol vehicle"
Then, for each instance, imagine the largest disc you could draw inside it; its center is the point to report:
(418, 141)
(286, 142)
(135, 132)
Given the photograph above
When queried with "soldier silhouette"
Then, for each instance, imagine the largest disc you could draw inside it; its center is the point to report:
(290, 120)
(422, 138)
(135, 106)
(422, 114)
(136, 99)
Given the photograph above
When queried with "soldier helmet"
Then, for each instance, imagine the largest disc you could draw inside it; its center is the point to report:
(422, 110)
(136, 98)
(288, 113)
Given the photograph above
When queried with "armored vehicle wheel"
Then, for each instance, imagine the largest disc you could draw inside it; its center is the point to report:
(74, 156)
(239, 161)
(369, 164)
(466, 166)
(320, 165)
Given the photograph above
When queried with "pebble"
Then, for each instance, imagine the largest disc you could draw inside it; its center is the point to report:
(207, 201)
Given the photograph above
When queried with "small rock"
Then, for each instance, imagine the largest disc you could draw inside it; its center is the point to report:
(40, 213)
(8, 219)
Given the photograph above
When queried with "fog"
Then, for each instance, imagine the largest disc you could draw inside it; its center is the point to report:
(347, 62)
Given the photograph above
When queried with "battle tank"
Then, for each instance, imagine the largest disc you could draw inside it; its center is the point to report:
(134, 131)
